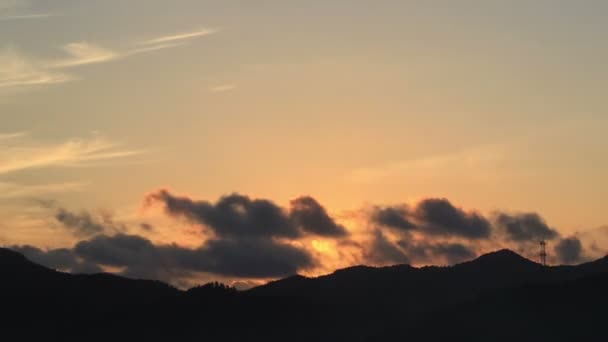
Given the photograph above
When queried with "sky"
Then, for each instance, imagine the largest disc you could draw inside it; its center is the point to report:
(248, 140)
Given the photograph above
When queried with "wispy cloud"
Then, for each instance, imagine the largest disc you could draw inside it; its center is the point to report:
(222, 88)
(82, 53)
(179, 37)
(17, 70)
(12, 190)
(28, 16)
(77, 152)
(10, 136)
(466, 162)
(18, 10)
(153, 48)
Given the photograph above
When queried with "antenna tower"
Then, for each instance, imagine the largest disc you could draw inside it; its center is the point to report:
(543, 253)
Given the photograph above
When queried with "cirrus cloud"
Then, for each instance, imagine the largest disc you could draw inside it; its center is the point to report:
(19, 71)
(26, 155)
(172, 38)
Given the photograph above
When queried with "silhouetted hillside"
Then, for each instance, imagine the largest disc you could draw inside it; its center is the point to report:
(501, 269)
(565, 311)
(475, 300)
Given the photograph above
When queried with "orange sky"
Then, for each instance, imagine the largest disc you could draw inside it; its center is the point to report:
(494, 106)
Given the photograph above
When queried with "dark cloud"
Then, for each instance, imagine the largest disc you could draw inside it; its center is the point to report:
(311, 217)
(248, 240)
(251, 257)
(85, 224)
(453, 252)
(120, 250)
(137, 256)
(80, 224)
(45, 203)
(569, 250)
(433, 217)
(381, 251)
(526, 227)
(146, 227)
(392, 217)
(232, 216)
(428, 251)
(60, 259)
(418, 251)
(440, 217)
(238, 216)
(57, 259)
(255, 238)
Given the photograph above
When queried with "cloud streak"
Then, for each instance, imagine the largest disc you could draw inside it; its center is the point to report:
(179, 37)
(83, 53)
(18, 71)
(484, 157)
(10, 136)
(152, 48)
(222, 88)
(29, 16)
(12, 191)
(73, 153)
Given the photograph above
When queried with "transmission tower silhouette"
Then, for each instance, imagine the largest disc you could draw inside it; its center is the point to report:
(543, 253)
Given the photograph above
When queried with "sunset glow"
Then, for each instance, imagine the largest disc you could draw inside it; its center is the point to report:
(248, 141)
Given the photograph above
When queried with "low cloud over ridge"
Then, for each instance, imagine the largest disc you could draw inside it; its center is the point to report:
(252, 238)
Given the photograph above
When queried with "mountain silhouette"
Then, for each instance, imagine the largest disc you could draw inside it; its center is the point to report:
(502, 259)
(483, 299)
